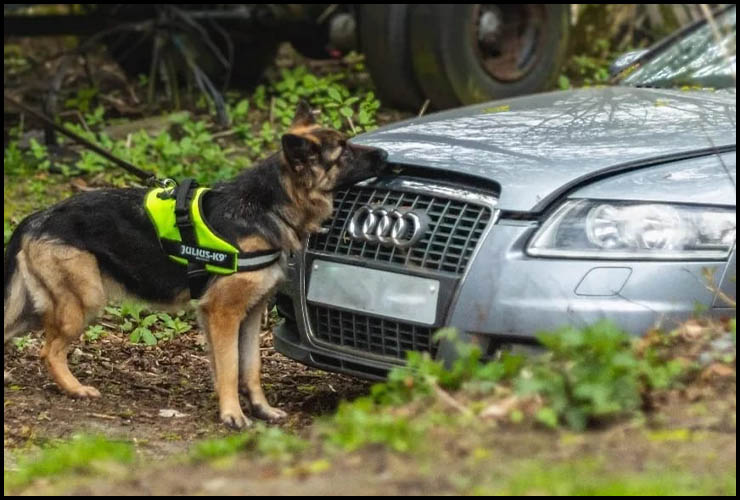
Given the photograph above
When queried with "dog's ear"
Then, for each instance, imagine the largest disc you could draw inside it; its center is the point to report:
(298, 151)
(303, 115)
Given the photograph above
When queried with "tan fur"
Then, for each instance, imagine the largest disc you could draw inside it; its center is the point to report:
(250, 365)
(221, 310)
(67, 291)
(305, 131)
(14, 306)
(311, 203)
(253, 244)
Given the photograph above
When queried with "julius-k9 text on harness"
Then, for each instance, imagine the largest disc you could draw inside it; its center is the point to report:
(186, 237)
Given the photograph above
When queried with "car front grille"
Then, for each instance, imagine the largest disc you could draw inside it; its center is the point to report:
(360, 332)
(453, 232)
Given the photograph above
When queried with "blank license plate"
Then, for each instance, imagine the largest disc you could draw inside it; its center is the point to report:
(393, 295)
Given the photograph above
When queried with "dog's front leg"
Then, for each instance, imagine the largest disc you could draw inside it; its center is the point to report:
(221, 311)
(250, 364)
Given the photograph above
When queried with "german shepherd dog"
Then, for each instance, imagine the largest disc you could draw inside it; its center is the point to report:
(63, 264)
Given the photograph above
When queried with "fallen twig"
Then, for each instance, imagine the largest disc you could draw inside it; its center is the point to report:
(450, 401)
(102, 415)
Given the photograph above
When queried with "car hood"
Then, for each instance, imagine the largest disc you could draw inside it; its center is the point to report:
(538, 147)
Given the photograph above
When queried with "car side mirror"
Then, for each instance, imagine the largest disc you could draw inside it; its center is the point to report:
(625, 60)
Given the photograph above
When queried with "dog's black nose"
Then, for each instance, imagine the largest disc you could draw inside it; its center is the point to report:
(382, 154)
(370, 151)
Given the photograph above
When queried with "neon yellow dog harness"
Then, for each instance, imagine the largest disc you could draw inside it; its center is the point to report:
(187, 238)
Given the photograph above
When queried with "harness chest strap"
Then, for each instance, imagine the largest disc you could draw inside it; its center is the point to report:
(187, 238)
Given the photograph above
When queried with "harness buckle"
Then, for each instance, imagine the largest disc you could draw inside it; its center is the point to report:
(167, 183)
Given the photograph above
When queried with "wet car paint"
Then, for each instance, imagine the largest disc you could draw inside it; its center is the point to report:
(539, 147)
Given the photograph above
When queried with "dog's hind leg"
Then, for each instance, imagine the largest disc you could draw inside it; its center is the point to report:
(73, 288)
(63, 326)
(250, 365)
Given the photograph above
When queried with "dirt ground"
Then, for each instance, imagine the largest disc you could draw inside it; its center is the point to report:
(140, 384)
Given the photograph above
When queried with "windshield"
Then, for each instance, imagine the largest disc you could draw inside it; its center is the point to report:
(703, 57)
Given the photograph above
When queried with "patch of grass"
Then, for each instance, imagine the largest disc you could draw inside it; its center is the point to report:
(588, 476)
(83, 454)
(212, 449)
(271, 442)
(22, 342)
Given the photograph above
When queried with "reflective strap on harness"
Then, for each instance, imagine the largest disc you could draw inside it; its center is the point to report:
(256, 260)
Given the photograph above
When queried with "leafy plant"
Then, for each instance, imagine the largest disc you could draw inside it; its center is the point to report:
(363, 422)
(82, 99)
(94, 332)
(421, 374)
(591, 373)
(149, 329)
(143, 333)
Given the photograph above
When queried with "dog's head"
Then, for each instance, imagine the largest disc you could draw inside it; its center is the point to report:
(320, 158)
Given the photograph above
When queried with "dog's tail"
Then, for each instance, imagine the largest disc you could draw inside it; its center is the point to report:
(18, 310)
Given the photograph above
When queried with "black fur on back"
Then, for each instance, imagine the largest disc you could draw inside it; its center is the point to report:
(113, 225)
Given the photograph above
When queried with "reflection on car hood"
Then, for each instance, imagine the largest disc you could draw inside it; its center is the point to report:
(536, 147)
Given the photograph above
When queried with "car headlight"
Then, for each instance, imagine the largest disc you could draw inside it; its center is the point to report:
(635, 230)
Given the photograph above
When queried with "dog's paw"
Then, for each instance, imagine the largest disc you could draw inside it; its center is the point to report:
(235, 420)
(268, 413)
(84, 391)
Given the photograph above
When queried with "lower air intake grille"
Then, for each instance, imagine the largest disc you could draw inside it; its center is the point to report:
(379, 336)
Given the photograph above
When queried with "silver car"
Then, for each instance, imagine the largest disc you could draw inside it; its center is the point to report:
(508, 218)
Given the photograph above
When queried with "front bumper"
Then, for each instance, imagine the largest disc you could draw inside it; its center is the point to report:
(506, 297)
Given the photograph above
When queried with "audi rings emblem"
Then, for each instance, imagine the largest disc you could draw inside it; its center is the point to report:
(387, 227)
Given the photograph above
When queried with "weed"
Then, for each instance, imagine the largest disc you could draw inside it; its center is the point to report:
(151, 328)
(340, 109)
(363, 422)
(94, 332)
(212, 449)
(274, 443)
(21, 343)
(590, 374)
(271, 442)
(83, 99)
(421, 374)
